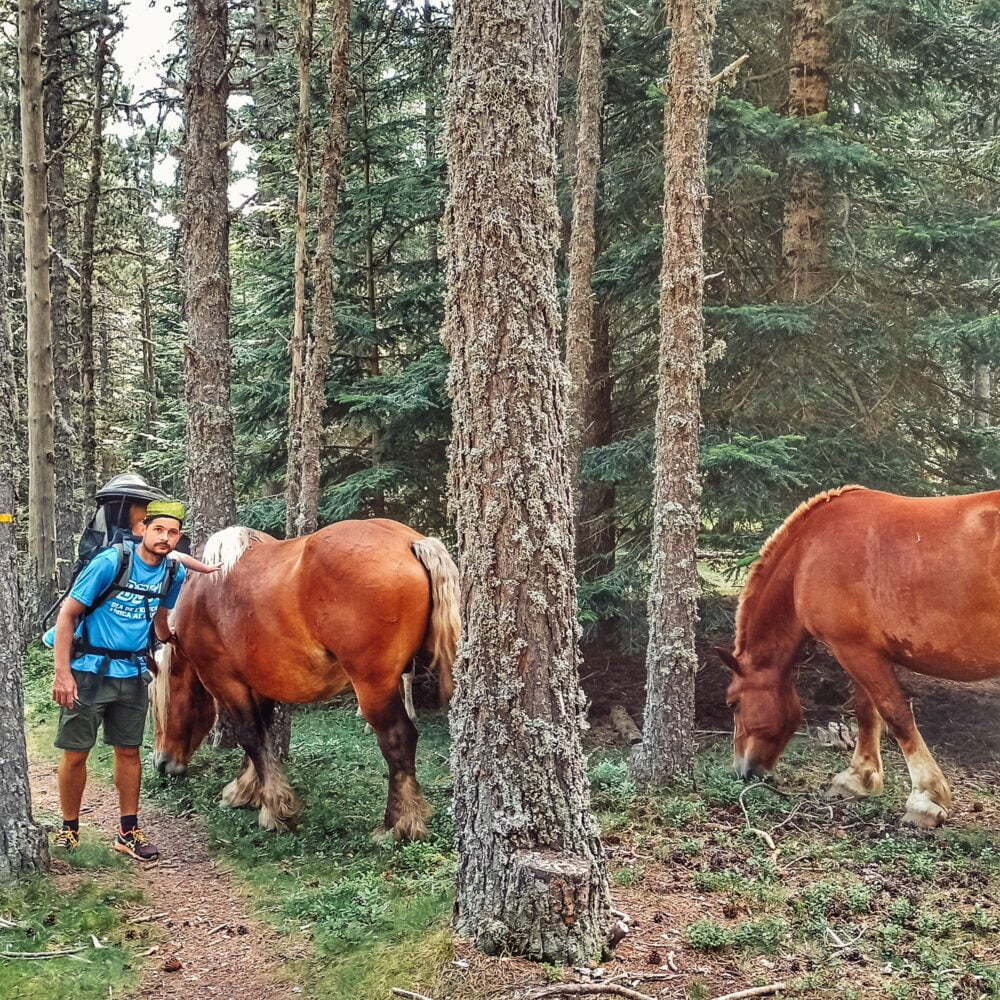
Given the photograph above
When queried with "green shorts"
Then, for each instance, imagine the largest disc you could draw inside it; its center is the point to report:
(120, 703)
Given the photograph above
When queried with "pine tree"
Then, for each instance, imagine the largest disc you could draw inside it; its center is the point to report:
(667, 747)
(40, 375)
(23, 845)
(297, 344)
(531, 877)
(210, 464)
(583, 244)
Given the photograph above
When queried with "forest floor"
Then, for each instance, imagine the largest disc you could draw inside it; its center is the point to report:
(845, 905)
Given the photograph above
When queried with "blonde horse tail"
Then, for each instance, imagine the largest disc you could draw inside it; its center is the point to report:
(159, 690)
(442, 635)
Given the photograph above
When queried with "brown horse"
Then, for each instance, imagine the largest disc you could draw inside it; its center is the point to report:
(882, 581)
(300, 621)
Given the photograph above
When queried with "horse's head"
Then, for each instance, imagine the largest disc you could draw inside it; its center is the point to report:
(183, 711)
(766, 713)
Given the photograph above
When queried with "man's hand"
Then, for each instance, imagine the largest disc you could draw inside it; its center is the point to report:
(64, 689)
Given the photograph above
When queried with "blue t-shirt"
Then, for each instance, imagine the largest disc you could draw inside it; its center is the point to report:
(121, 622)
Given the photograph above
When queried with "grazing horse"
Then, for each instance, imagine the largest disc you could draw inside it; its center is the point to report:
(882, 581)
(300, 621)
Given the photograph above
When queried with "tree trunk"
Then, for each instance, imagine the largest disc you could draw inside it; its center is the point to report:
(210, 443)
(210, 439)
(41, 377)
(531, 877)
(23, 845)
(67, 514)
(297, 345)
(323, 323)
(982, 384)
(583, 241)
(87, 236)
(371, 296)
(430, 114)
(667, 749)
(595, 528)
(804, 236)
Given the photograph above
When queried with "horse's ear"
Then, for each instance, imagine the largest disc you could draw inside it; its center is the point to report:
(728, 660)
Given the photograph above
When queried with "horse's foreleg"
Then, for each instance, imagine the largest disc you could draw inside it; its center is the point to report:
(930, 798)
(279, 807)
(244, 790)
(406, 810)
(864, 776)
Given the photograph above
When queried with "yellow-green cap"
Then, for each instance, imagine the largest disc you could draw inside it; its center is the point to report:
(166, 508)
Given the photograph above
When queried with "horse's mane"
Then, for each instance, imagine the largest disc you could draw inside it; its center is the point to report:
(225, 547)
(769, 552)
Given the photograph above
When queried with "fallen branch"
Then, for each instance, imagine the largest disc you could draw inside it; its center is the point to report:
(36, 955)
(588, 990)
(763, 834)
(146, 919)
(408, 995)
(754, 991)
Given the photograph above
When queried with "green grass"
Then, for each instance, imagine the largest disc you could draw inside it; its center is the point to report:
(50, 917)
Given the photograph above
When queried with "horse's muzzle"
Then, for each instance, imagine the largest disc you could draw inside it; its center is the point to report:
(748, 770)
(166, 765)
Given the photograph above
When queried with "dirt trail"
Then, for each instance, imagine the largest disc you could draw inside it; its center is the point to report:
(207, 925)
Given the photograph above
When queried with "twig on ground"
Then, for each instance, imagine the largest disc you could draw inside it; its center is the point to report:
(408, 994)
(588, 990)
(146, 919)
(763, 834)
(754, 991)
(36, 955)
(8, 925)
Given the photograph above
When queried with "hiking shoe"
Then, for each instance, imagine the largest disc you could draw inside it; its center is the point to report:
(68, 839)
(135, 845)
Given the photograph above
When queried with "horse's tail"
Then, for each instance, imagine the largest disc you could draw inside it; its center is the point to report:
(442, 635)
(225, 547)
(159, 690)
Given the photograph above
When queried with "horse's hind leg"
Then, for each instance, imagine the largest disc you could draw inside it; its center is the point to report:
(930, 798)
(864, 775)
(406, 810)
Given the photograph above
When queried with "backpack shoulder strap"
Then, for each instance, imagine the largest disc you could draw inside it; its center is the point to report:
(121, 580)
(173, 567)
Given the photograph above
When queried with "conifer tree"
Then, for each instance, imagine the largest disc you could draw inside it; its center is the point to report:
(667, 747)
(531, 877)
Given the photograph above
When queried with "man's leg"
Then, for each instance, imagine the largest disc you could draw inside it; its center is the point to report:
(124, 726)
(72, 781)
(128, 777)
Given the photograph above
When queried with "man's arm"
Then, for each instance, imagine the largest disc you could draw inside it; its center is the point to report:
(64, 685)
(161, 625)
(193, 564)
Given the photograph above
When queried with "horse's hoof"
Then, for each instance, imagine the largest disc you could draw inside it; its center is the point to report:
(279, 824)
(923, 812)
(850, 785)
(382, 837)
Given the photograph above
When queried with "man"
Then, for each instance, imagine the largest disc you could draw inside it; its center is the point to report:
(100, 668)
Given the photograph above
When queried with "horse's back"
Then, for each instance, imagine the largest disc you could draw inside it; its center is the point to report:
(916, 577)
(296, 618)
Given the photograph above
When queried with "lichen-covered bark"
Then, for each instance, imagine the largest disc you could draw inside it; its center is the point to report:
(23, 846)
(87, 237)
(667, 748)
(38, 305)
(531, 877)
(210, 444)
(804, 236)
(595, 523)
(297, 344)
(583, 240)
(67, 514)
(317, 354)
